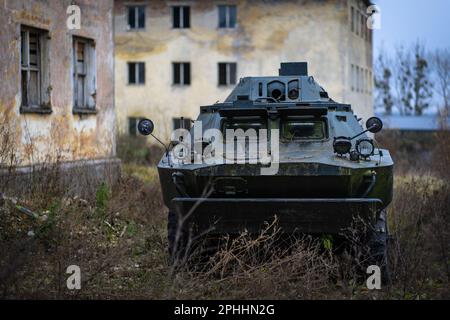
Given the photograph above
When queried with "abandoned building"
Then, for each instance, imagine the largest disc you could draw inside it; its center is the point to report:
(56, 93)
(172, 57)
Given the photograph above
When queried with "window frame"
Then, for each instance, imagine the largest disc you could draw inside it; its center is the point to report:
(180, 119)
(184, 17)
(352, 77)
(228, 77)
(352, 19)
(41, 69)
(243, 120)
(89, 74)
(137, 74)
(357, 79)
(357, 26)
(366, 80)
(227, 12)
(183, 68)
(322, 119)
(136, 8)
(363, 26)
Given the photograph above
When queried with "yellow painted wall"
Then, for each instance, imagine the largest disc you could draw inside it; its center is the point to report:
(267, 33)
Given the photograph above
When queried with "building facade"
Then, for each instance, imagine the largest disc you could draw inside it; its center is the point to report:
(173, 56)
(57, 91)
(425, 122)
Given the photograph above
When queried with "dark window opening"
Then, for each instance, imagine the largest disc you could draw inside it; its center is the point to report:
(181, 17)
(303, 129)
(227, 73)
(136, 17)
(353, 19)
(136, 73)
(181, 123)
(227, 16)
(244, 123)
(181, 73)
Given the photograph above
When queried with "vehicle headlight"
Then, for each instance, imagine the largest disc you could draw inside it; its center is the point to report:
(342, 145)
(365, 147)
(181, 152)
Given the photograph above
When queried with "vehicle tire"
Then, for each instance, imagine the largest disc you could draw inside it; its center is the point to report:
(378, 246)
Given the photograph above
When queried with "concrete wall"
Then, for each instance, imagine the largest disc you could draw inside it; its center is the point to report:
(60, 135)
(359, 53)
(267, 33)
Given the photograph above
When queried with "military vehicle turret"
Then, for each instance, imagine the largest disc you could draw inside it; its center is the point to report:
(315, 167)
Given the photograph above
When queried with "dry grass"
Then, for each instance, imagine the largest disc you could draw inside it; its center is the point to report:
(118, 237)
(119, 241)
(419, 222)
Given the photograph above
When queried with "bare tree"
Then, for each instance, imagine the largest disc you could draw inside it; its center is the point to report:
(383, 79)
(441, 67)
(422, 88)
(413, 88)
(403, 82)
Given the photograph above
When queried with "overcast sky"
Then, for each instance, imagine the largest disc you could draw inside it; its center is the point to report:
(404, 21)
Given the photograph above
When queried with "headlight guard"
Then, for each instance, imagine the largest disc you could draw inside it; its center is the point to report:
(365, 148)
(342, 145)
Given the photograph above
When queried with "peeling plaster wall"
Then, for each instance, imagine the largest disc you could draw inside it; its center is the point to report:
(60, 135)
(267, 33)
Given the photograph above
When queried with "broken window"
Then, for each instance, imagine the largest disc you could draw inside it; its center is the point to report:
(181, 17)
(227, 16)
(136, 73)
(84, 73)
(182, 123)
(181, 73)
(227, 73)
(35, 79)
(136, 17)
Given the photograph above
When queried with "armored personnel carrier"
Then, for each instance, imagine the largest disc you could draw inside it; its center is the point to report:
(321, 168)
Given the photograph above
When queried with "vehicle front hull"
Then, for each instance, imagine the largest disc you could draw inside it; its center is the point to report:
(312, 216)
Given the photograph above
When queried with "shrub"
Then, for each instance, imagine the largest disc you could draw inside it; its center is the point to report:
(137, 150)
